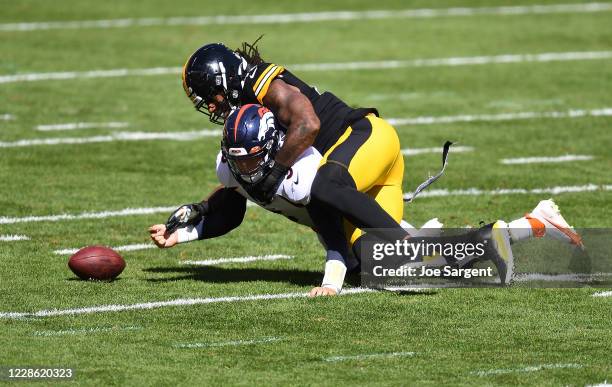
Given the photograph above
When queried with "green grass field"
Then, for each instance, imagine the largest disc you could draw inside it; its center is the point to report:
(502, 336)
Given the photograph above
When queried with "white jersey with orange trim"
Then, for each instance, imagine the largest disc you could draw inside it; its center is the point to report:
(294, 192)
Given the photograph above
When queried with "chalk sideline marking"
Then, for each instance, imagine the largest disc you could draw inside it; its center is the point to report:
(512, 191)
(82, 125)
(85, 331)
(310, 17)
(543, 160)
(116, 136)
(341, 66)
(6, 117)
(162, 304)
(211, 262)
(12, 238)
(234, 343)
(429, 120)
(420, 151)
(540, 367)
(367, 356)
(134, 247)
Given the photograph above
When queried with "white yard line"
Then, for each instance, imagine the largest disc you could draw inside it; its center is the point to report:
(342, 66)
(573, 113)
(117, 136)
(87, 215)
(234, 343)
(540, 367)
(420, 151)
(210, 262)
(311, 17)
(82, 125)
(429, 193)
(543, 160)
(191, 135)
(367, 356)
(457, 61)
(163, 304)
(513, 191)
(6, 117)
(32, 77)
(575, 277)
(85, 331)
(12, 238)
(602, 294)
(135, 247)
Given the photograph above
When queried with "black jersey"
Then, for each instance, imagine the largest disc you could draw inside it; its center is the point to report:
(334, 114)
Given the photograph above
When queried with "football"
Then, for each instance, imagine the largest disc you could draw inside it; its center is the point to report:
(96, 263)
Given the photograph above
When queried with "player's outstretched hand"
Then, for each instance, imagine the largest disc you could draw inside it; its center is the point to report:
(161, 238)
(321, 291)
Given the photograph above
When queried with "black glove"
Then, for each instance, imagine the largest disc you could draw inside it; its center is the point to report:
(264, 191)
(186, 215)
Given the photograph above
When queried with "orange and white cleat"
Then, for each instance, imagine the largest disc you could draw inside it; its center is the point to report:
(546, 219)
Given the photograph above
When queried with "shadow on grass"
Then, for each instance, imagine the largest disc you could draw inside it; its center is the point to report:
(222, 275)
(215, 274)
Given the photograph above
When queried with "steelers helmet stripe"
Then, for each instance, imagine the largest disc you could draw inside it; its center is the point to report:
(184, 77)
(263, 88)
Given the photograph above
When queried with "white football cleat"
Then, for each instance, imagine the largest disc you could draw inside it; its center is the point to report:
(431, 228)
(555, 226)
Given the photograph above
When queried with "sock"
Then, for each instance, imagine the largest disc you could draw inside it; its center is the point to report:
(525, 228)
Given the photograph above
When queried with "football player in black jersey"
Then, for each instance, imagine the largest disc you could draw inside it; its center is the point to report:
(359, 182)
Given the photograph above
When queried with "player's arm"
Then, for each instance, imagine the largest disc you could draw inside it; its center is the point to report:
(297, 114)
(329, 226)
(220, 213)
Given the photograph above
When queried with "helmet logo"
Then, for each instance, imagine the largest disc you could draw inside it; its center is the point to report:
(266, 122)
(237, 151)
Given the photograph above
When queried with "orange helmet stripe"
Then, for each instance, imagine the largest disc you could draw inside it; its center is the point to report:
(240, 112)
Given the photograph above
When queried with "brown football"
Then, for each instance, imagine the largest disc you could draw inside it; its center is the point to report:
(97, 263)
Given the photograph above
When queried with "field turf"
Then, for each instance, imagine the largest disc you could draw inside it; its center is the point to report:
(505, 336)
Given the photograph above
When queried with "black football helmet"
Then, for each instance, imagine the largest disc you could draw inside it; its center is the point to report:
(214, 69)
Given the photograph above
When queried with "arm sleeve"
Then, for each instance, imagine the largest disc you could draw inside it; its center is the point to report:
(258, 81)
(226, 212)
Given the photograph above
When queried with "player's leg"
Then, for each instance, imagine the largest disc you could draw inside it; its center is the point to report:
(361, 159)
(390, 198)
(544, 221)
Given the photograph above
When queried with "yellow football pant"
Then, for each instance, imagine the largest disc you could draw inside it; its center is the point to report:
(371, 152)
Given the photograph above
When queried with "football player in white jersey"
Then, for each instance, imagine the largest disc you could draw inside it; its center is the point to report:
(251, 138)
